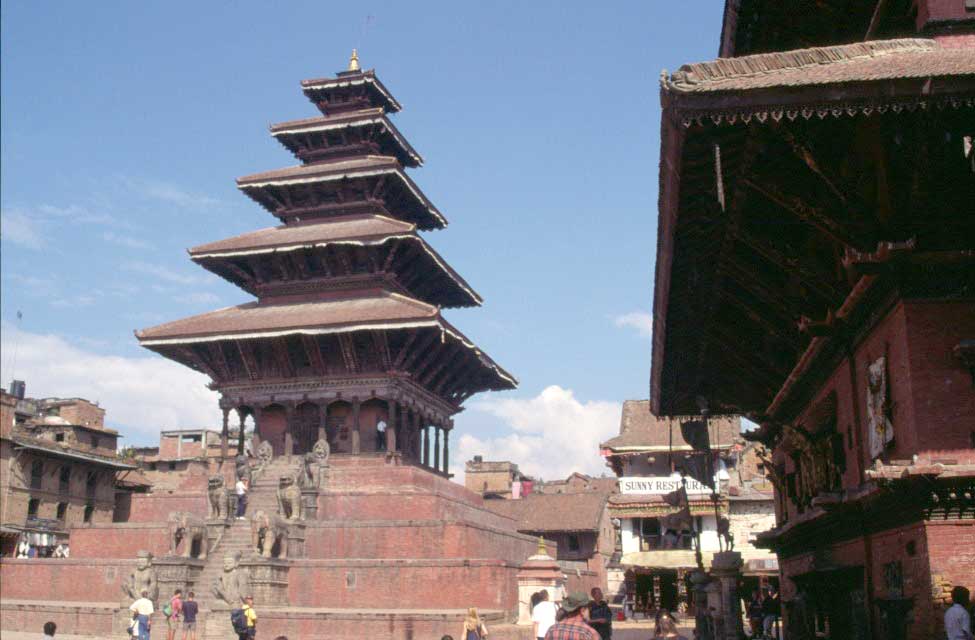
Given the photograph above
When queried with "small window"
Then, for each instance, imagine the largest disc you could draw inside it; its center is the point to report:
(172, 466)
(89, 510)
(90, 484)
(153, 466)
(62, 510)
(94, 442)
(36, 474)
(32, 506)
(59, 437)
(573, 542)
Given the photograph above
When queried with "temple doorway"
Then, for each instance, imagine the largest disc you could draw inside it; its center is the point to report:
(304, 428)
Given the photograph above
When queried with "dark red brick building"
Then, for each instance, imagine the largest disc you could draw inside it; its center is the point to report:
(816, 271)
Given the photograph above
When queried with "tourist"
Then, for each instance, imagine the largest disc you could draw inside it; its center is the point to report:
(251, 616)
(573, 624)
(190, 609)
(474, 627)
(754, 613)
(49, 629)
(771, 610)
(143, 608)
(241, 489)
(958, 622)
(173, 613)
(543, 615)
(23, 549)
(600, 615)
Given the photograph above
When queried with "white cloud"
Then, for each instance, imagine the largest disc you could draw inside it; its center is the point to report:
(141, 395)
(549, 436)
(170, 193)
(641, 321)
(167, 274)
(21, 229)
(198, 297)
(125, 241)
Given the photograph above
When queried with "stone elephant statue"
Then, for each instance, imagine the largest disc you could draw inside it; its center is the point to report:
(268, 531)
(185, 530)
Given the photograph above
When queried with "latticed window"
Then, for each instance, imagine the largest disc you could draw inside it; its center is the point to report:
(64, 480)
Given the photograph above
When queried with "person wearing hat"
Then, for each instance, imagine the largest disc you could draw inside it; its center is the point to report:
(573, 624)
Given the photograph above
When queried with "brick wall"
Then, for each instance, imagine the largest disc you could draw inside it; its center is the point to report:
(72, 579)
(747, 518)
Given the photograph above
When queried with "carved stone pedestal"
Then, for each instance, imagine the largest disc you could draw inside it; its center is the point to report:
(296, 540)
(268, 580)
(215, 530)
(309, 503)
(174, 572)
(540, 571)
(703, 621)
(726, 575)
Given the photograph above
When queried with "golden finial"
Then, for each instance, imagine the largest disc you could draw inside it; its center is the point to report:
(542, 551)
(354, 61)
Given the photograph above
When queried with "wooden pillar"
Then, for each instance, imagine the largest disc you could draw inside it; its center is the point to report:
(322, 421)
(436, 447)
(415, 434)
(241, 416)
(224, 434)
(391, 409)
(289, 439)
(446, 450)
(356, 440)
(425, 447)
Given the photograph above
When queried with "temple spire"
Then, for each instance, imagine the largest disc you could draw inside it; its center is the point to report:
(354, 61)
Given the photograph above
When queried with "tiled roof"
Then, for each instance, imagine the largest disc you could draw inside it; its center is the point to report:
(368, 78)
(309, 172)
(357, 227)
(640, 430)
(539, 513)
(254, 319)
(34, 444)
(859, 62)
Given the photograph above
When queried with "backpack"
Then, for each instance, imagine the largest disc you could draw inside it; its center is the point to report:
(167, 609)
(238, 620)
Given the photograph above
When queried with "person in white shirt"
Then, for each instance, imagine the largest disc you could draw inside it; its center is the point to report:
(958, 624)
(543, 616)
(241, 488)
(143, 608)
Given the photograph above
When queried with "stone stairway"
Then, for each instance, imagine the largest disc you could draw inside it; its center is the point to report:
(214, 618)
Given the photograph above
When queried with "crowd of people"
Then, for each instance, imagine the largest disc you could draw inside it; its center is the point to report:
(26, 550)
(763, 611)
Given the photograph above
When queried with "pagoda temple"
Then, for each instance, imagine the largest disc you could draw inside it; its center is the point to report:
(346, 341)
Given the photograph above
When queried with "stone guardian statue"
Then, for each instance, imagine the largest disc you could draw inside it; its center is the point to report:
(144, 578)
(234, 583)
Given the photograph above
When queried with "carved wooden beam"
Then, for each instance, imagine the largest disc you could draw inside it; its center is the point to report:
(344, 260)
(807, 213)
(254, 262)
(347, 347)
(381, 340)
(819, 328)
(236, 270)
(818, 283)
(803, 153)
(447, 356)
(246, 350)
(401, 356)
(323, 261)
(314, 352)
(280, 348)
(299, 263)
(219, 360)
(377, 190)
(189, 354)
(426, 343)
(391, 254)
(859, 263)
(280, 263)
(754, 314)
(433, 352)
(769, 380)
(458, 363)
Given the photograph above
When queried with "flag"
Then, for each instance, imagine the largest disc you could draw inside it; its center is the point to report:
(695, 433)
(696, 466)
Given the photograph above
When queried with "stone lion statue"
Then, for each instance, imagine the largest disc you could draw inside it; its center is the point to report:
(264, 454)
(185, 529)
(268, 531)
(217, 498)
(307, 475)
(289, 498)
(321, 451)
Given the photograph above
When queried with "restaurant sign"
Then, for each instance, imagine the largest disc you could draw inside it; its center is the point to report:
(659, 485)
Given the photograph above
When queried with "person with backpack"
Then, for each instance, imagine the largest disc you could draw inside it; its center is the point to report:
(474, 627)
(173, 611)
(244, 620)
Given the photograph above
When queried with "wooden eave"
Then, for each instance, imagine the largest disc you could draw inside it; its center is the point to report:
(390, 260)
(314, 89)
(749, 251)
(305, 137)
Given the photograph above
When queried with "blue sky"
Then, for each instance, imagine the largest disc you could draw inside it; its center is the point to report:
(124, 125)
